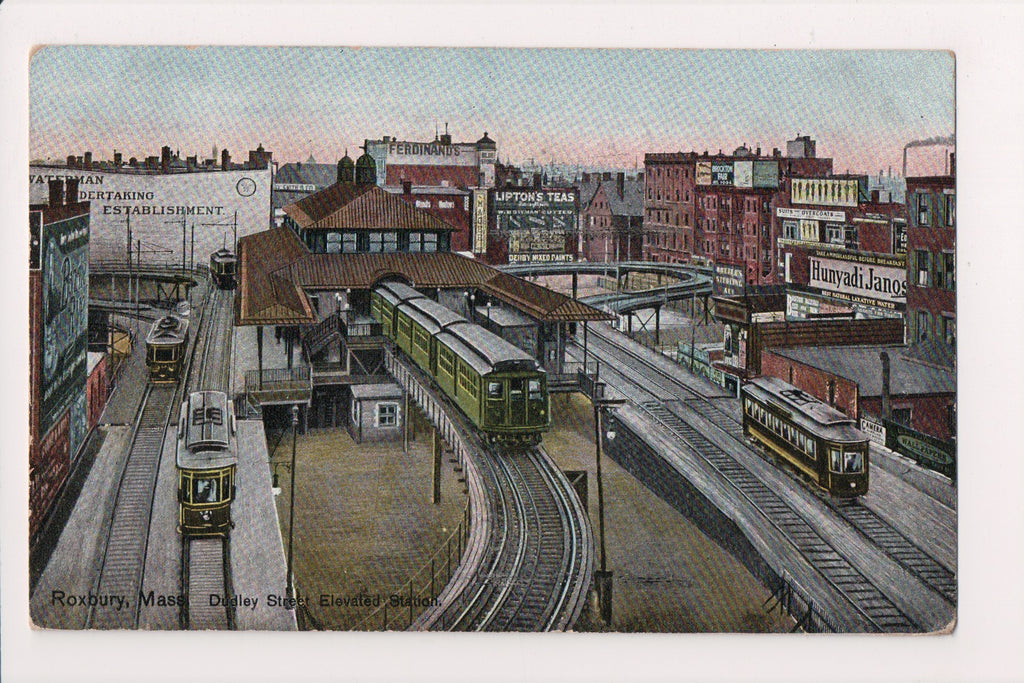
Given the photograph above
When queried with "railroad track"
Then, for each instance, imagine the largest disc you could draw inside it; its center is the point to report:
(128, 531)
(863, 519)
(206, 562)
(532, 561)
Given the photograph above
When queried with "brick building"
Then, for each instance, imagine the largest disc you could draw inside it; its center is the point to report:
(611, 217)
(706, 208)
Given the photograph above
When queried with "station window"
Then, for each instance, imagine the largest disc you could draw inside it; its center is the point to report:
(333, 242)
(348, 243)
(387, 414)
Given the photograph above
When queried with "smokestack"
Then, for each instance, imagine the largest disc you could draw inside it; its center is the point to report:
(56, 193)
(117, 159)
(905, 161)
(537, 181)
(886, 408)
(225, 160)
(88, 161)
(71, 193)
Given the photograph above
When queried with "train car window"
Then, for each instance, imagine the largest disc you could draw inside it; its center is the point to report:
(494, 390)
(205, 490)
(853, 462)
(534, 390)
(801, 441)
(811, 448)
(515, 388)
(835, 460)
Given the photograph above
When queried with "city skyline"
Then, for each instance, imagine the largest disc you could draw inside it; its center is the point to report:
(591, 108)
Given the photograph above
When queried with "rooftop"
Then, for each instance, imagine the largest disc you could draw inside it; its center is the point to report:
(355, 206)
(861, 364)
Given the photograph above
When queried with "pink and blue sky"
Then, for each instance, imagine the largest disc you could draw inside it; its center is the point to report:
(588, 107)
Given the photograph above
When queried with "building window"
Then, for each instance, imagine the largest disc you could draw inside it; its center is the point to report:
(923, 259)
(387, 414)
(924, 326)
(948, 260)
(390, 242)
(376, 243)
(348, 243)
(834, 233)
(950, 210)
(924, 212)
(951, 419)
(415, 242)
(903, 416)
(333, 242)
(949, 328)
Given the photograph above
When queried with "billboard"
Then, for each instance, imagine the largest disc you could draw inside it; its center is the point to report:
(730, 280)
(158, 208)
(747, 174)
(766, 174)
(479, 221)
(539, 224)
(825, 191)
(743, 173)
(874, 279)
(721, 173)
(64, 266)
(702, 175)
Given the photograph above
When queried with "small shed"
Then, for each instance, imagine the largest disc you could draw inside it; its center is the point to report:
(511, 325)
(376, 412)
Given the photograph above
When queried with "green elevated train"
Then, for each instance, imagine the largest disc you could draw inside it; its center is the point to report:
(500, 388)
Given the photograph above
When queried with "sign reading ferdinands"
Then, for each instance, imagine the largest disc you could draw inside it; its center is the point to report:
(157, 206)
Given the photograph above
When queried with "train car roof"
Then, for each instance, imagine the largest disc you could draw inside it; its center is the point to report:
(806, 410)
(441, 315)
(400, 290)
(500, 354)
(169, 329)
(465, 352)
(206, 440)
(223, 254)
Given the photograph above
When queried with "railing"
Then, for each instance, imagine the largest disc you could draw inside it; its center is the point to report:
(422, 589)
(789, 599)
(163, 266)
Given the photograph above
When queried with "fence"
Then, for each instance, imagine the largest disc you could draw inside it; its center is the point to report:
(789, 599)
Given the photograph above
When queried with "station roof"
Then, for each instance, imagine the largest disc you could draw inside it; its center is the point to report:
(354, 206)
(908, 374)
(276, 271)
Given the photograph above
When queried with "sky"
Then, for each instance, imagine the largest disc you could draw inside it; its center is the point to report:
(597, 108)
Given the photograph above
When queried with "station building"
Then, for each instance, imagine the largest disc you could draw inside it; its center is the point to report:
(311, 280)
(611, 217)
(58, 335)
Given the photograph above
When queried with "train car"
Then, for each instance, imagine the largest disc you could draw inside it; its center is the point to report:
(223, 264)
(206, 461)
(818, 440)
(166, 345)
(501, 388)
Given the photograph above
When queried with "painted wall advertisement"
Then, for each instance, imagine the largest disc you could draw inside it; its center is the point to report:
(479, 221)
(159, 208)
(721, 173)
(743, 173)
(730, 280)
(875, 279)
(64, 261)
(825, 191)
(539, 223)
(737, 173)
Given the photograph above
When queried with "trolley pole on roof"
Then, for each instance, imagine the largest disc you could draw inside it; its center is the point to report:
(289, 582)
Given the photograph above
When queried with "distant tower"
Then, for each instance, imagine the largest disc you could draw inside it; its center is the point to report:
(346, 169)
(366, 169)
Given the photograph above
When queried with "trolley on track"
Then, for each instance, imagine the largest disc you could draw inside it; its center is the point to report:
(166, 344)
(207, 461)
(223, 264)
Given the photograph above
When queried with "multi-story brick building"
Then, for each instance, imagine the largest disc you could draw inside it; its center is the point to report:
(931, 262)
(707, 209)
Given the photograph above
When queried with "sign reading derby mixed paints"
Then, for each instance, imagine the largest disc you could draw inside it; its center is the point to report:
(539, 223)
(853, 276)
(156, 206)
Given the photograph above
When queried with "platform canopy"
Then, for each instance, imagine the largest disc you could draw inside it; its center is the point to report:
(276, 273)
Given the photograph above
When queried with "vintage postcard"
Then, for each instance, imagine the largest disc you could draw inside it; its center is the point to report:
(493, 339)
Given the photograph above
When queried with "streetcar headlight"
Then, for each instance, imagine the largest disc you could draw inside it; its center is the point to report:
(205, 515)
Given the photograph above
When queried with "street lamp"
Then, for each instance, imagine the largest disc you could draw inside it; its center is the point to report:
(289, 587)
(603, 577)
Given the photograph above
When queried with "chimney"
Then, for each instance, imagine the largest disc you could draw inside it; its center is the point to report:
(71, 161)
(71, 191)
(952, 164)
(56, 193)
(886, 408)
(874, 197)
(620, 184)
(640, 177)
(586, 178)
(117, 159)
(775, 152)
(407, 187)
(758, 152)
(225, 160)
(904, 162)
(88, 161)
(537, 181)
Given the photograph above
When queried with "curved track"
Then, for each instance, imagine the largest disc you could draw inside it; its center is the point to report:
(529, 561)
(861, 593)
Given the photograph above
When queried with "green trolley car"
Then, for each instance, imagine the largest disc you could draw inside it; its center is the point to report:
(206, 461)
(166, 345)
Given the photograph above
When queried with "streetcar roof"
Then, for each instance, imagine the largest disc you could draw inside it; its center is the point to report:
(400, 291)
(169, 329)
(441, 315)
(806, 410)
(223, 254)
(465, 352)
(206, 440)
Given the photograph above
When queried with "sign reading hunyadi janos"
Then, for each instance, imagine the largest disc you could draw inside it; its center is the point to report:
(861, 276)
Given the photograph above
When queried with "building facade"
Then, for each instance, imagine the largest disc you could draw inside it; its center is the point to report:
(58, 340)
(706, 209)
(611, 218)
